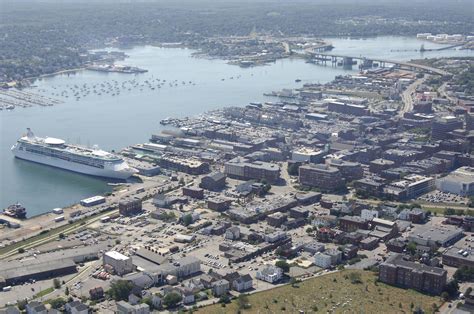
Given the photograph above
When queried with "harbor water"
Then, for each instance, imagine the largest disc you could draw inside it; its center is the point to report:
(115, 110)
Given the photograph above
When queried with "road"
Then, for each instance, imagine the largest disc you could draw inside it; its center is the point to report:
(407, 96)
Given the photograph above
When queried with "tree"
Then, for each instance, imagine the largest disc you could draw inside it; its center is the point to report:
(21, 250)
(120, 290)
(22, 304)
(283, 265)
(464, 273)
(187, 219)
(57, 303)
(66, 291)
(224, 299)
(293, 169)
(172, 299)
(56, 283)
(452, 288)
(445, 296)
(411, 248)
(355, 278)
(449, 211)
(243, 302)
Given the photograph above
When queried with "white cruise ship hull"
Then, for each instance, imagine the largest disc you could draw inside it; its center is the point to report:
(114, 173)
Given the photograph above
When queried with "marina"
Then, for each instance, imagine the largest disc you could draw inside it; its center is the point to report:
(189, 86)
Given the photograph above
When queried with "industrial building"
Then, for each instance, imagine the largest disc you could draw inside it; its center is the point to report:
(120, 263)
(460, 181)
(433, 237)
(18, 272)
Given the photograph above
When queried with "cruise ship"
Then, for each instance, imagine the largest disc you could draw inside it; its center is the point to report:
(56, 153)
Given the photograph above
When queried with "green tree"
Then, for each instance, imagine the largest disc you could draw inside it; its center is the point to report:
(66, 291)
(187, 219)
(56, 283)
(283, 265)
(243, 302)
(449, 211)
(355, 278)
(120, 290)
(172, 299)
(293, 169)
(452, 288)
(224, 299)
(57, 303)
(464, 273)
(411, 248)
(21, 304)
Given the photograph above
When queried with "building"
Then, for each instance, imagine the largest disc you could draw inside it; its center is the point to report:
(369, 214)
(18, 272)
(233, 233)
(126, 308)
(350, 171)
(189, 166)
(130, 206)
(352, 109)
(322, 260)
(457, 257)
(369, 243)
(460, 181)
(241, 168)
(76, 307)
(410, 275)
(379, 165)
(187, 266)
(213, 182)
(218, 204)
(410, 187)
(193, 192)
(441, 127)
(242, 283)
(435, 236)
(270, 273)
(220, 287)
(92, 201)
(120, 263)
(321, 176)
(307, 155)
(35, 307)
(353, 223)
(276, 219)
(415, 215)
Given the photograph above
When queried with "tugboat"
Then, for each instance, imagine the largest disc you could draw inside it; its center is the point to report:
(15, 211)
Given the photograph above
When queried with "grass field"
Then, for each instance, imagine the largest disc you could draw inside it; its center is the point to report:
(320, 295)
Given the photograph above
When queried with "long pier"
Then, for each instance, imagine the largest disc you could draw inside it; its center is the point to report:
(324, 57)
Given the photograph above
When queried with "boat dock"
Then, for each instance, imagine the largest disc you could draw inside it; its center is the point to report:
(11, 98)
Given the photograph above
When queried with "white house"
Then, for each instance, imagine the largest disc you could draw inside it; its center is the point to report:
(270, 274)
(322, 260)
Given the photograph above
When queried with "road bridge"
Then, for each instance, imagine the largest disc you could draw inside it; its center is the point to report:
(347, 60)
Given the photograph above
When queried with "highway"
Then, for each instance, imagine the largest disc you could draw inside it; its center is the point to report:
(407, 96)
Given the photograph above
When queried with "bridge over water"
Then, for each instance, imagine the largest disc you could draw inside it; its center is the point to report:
(333, 58)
